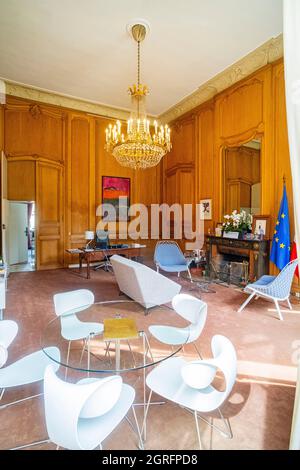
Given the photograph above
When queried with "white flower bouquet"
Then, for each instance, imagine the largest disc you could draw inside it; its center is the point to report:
(237, 222)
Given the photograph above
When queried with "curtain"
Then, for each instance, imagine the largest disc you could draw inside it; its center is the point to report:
(291, 39)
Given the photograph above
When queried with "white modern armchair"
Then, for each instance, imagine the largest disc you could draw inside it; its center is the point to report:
(143, 284)
(80, 416)
(276, 288)
(67, 304)
(189, 384)
(191, 309)
(27, 370)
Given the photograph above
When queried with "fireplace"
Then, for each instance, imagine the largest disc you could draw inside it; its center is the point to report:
(237, 261)
(230, 269)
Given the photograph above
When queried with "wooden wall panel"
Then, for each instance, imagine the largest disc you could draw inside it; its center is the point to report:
(241, 108)
(32, 129)
(49, 198)
(21, 180)
(80, 180)
(254, 107)
(106, 165)
(205, 158)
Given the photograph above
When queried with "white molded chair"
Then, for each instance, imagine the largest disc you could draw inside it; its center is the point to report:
(27, 370)
(80, 416)
(67, 304)
(189, 383)
(191, 309)
(276, 288)
(8, 332)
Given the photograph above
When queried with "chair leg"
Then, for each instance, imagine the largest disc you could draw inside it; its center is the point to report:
(246, 302)
(2, 393)
(157, 269)
(68, 355)
(278, 309)
(148, 347)
(289, 304)
(83, 348)
(131, 352)
(143, 430)
(198, 352)
(88, 358)
(20, 401)
(46, 441)
(136, 429)
(198, 431)
(190, 276)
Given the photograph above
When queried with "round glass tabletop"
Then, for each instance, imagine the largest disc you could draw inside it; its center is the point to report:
(112, 337)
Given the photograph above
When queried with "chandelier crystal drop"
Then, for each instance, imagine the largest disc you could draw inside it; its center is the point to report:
(143, 145)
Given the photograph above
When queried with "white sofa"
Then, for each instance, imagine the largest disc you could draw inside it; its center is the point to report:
(143, 284)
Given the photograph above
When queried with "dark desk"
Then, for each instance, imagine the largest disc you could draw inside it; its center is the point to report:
(90, 256)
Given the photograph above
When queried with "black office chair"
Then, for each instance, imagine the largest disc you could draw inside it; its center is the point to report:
(102, 243)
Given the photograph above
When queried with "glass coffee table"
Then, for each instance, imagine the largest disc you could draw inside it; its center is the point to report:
(124, 345)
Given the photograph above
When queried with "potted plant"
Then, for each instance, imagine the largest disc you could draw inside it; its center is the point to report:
(238, 222)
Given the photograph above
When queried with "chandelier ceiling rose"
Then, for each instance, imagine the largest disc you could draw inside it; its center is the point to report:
(143, 146)
(138, 21)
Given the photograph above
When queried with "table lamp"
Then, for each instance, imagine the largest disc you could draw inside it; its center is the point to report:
(89, 235)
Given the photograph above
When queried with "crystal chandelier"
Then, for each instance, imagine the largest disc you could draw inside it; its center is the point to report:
(141, 146)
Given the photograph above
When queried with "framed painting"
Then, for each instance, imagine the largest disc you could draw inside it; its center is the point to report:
(261, 226)
(116, 191)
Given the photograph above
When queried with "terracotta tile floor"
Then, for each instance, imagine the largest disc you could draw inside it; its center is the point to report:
(260, 406)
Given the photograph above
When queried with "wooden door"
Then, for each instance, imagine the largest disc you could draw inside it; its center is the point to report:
(49, 217)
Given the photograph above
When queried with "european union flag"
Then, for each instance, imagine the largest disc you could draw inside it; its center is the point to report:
(280, 251)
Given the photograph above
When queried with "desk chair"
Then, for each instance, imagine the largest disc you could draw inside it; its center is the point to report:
(102, 243)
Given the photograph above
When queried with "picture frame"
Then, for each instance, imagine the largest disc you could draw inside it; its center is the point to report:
(116, 191)
(219, 229)
(206, 209)
(261, 226)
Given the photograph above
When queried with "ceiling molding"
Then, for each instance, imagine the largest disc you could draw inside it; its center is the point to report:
(48, 97)
(267, 53)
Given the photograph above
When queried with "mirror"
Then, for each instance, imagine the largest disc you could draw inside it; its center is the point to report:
(242, 178)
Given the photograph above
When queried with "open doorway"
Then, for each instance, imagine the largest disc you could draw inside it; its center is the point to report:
(21, 236)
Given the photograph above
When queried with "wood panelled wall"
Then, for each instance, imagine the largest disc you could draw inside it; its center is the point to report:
(56, 157)
(254, 107)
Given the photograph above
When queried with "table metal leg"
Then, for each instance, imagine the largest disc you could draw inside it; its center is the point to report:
(118, 356)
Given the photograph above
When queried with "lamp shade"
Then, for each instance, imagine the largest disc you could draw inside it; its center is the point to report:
(89, 235)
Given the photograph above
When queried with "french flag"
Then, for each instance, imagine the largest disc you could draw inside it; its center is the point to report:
(294, 256)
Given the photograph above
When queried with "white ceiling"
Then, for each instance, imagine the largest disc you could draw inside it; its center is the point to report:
(81, 48)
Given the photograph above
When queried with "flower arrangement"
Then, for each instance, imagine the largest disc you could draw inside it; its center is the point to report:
(237, 222)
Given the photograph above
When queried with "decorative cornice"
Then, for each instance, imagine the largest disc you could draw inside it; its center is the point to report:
(267, 53)
(35, 94)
